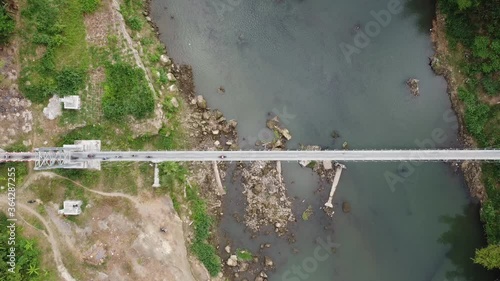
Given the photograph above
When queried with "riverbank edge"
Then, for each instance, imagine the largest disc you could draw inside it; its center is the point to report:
(442, 66)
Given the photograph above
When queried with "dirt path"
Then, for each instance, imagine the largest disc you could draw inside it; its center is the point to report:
(55, 248)
(155, 213)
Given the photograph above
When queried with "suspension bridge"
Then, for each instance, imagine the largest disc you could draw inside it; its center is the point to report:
(87, 154)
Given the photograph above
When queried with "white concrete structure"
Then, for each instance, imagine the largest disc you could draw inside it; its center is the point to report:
(71, 208)
(157, 176)
(84, 146)
(71, 102)
(336, 179)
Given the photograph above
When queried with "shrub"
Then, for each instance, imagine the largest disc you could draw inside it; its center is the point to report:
(491, 85)
(69, 81)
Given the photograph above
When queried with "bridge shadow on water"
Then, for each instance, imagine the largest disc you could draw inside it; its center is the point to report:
(464, 228)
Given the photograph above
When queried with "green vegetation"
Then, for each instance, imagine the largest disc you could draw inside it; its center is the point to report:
(307, 213)
(489, 257)
(173, 180)
(21, 168)
(473, 30)
(89, 6)
(28, 256)
(244, 255)
(7, 24)
(311, 164)
(203, 224)
(126, 92)
(131, 11)
(55, 47)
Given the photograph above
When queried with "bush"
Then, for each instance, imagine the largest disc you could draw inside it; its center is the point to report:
(7, 25)
(489, 257)
(491, 85)
(69, 81)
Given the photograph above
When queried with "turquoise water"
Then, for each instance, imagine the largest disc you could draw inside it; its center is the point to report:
(286, 57)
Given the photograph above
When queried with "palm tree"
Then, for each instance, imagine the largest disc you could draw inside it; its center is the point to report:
(29, 245)
(33, 270)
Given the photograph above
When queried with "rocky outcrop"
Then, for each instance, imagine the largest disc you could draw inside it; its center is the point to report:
(413, 84)
(275, 125)
(267, 202)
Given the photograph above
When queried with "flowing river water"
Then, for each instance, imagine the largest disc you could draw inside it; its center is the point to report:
(296, 58)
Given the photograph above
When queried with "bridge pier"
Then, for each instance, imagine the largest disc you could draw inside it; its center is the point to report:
(336, 179)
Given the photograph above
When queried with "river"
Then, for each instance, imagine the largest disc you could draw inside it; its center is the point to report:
(308, 62)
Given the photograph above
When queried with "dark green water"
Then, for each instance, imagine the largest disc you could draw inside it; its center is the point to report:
(287, 57)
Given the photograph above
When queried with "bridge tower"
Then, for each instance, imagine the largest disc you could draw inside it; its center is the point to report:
(60, 157)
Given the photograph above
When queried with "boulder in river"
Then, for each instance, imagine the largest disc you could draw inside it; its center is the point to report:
(346, 207)
(201, 102)
(413, 84)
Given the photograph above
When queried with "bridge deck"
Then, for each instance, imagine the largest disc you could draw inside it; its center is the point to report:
(289, 155)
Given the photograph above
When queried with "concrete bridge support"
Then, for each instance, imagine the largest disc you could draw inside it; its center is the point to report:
(336, 179)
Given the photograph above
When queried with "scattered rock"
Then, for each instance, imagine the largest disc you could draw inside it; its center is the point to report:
(148, 19)
(221, 90)
(268, 261)
(174, 102)
(165, 60)
(228, 249)
(243, 267)
(171, 77)
(304, 163)
(201, 102)
(173, 88)
(232, 123)
(232, 261)
(345, 145)
(413, 84)
(215, 132)
(335, 134)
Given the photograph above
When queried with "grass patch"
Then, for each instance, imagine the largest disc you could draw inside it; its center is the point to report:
(203, 223)
(126, 92)
(244, 255)
(7, 24)
(55, 49)
(49, 190)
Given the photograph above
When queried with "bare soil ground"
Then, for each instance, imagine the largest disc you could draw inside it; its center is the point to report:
(118, 237)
